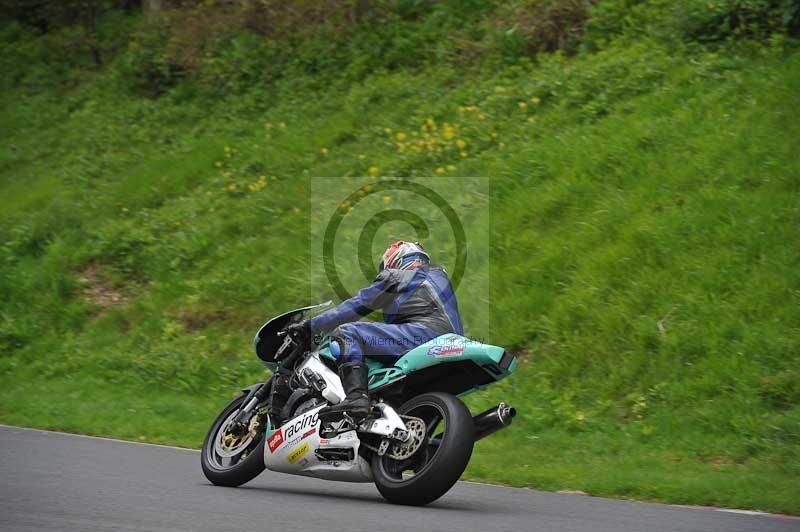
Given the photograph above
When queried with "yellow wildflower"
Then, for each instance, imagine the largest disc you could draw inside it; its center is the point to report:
(481, 116)
(218, 164)
(386, 199)
(373, 170)
(282, 125)
(522, 105)
(296, 210)
(400, 136)
(499, 89)
(324, 151)
(451, 168)
(461, 144)
(262, 178)
(361, 156)
(463, 154)
(440, 170)
(387, 130)
(535, 100)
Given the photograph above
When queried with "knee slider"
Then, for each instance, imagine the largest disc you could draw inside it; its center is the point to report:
(343, 343)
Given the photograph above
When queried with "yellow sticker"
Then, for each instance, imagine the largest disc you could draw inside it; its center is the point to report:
(298, 453)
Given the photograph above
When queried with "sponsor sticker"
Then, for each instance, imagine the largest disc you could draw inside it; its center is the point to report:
(298, 453)
(275, 441)
(440, 351)
(308, 420)
(308, 433)
(346, 436)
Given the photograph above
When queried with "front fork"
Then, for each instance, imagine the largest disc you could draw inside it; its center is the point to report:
(257, 395)
(261, 392)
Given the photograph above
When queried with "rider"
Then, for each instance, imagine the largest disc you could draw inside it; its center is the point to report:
(418, 304)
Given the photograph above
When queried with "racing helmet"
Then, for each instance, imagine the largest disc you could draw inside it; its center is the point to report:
(402, 255)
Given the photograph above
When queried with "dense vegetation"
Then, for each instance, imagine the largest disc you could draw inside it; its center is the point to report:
(645, 203)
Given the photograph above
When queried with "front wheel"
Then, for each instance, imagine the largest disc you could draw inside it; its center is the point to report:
(228, 459)
(447, 437)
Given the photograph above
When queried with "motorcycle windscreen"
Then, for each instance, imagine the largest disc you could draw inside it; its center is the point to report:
(267, 342)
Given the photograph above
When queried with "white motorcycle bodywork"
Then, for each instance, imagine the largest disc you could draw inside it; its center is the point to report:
(297, 448)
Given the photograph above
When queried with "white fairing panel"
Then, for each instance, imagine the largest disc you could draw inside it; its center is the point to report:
(333, 392)
(293, 447)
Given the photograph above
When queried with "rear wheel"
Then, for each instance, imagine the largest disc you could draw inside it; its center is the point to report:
(229, 459)
(444, 426)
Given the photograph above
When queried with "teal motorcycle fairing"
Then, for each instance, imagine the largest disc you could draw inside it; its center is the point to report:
(446, 349)
(450, 362)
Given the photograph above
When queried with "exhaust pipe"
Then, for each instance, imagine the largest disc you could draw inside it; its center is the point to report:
(496, 418)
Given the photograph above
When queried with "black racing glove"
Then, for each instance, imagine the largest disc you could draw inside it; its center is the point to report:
(301, 333)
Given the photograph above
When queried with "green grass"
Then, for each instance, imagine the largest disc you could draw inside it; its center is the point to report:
(643, 255)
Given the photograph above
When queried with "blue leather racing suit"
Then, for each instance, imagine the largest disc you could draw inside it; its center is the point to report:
(418, 305)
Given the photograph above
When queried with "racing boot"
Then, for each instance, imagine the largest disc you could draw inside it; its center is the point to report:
(356, 402)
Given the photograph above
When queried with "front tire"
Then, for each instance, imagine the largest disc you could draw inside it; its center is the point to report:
(439, 462)
(228, 462)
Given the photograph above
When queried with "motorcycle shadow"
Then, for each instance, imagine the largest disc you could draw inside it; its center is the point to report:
(445, 504)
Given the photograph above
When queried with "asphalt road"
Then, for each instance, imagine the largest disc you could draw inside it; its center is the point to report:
(52, 481)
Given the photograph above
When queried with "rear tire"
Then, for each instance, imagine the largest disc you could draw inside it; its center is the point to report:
(439, 463)
(247, 467)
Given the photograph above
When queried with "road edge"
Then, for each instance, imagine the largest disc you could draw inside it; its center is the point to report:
(755, 513)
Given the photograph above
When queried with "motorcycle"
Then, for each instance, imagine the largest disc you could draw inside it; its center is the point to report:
(415, 443)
